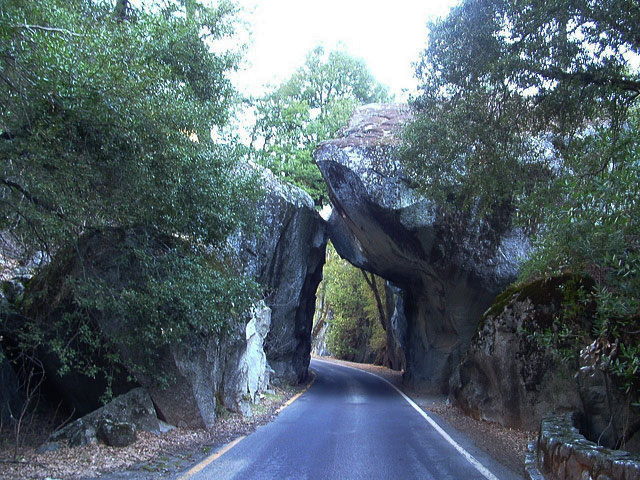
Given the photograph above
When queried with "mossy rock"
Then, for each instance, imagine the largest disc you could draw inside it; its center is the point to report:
(553, 291)
(51, 310)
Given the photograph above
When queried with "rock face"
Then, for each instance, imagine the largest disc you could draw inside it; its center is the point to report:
(286, 257)
(196, 367)
(248, 373)
(396, 329)
(319, 335)
(510, 376)
(609, 416)
(116, 434)
(507, 377)
(319, 342)
(11, 397)
(447, 269)
(116, 422)
(232, 369)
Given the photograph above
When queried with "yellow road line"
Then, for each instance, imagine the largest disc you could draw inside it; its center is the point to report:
(298, 395)
(213, 457)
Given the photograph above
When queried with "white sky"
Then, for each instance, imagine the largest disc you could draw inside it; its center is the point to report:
(388, 35)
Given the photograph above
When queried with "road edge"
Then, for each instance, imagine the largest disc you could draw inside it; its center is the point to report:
(202, 464)
(484, 471)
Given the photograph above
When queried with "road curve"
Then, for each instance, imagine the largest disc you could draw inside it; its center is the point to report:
(348, 425)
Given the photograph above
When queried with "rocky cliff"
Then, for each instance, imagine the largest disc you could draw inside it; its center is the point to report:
(514, 372)
(185, 378)
(507, 375)
(447, 270)
(286, 256)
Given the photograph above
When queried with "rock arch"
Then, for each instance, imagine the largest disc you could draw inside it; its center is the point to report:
(446, 270)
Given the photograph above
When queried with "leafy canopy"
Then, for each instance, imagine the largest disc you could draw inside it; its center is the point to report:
(99, 117)
(350, 293)
(106, 110)
(308, 108)
(513, 91)
(531, 108)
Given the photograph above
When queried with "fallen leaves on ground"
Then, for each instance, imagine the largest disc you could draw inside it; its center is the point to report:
(507, 445)
(150, 449)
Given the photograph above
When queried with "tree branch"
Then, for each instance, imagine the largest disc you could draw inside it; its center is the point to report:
(374, 288)
(587, 78)
(47, 29)
(35, 200)
(627, 435)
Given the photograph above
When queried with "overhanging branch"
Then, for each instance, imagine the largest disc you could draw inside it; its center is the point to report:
(47, 29)
(586, 78)
(33, 199)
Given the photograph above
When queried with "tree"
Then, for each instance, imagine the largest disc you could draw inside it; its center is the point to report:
(529, 110)
(105, 124)
(357, 301)
(308, 108)
(510, 91)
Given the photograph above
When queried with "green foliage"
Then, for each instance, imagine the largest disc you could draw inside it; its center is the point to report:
(596, 231)
(305, 110)
(98, 120)
(513, 97)
(342, 340)
(105, 122)
(117, 300)
(162, 297)
(356, 315)
(530, 108)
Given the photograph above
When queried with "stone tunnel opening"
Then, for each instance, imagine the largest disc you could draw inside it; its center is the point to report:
(353, 314)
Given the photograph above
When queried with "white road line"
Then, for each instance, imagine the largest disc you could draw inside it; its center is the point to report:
(476, 464)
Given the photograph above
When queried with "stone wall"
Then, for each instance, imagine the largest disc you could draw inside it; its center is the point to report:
(563, 453)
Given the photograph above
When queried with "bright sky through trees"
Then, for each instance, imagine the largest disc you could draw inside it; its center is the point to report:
(387, 35)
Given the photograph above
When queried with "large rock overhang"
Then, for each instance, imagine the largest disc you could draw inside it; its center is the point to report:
(448, 276)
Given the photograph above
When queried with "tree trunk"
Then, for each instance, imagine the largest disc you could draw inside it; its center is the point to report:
(374, 288)
(122, 9)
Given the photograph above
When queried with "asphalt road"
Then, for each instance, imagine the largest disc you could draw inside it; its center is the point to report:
(351, 425)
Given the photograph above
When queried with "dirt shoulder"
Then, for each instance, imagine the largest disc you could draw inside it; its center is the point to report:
(150, 457)
(505, 445)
